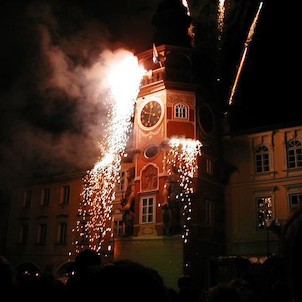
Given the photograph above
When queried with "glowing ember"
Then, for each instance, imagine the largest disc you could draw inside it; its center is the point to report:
(123, 82)
(183, 155)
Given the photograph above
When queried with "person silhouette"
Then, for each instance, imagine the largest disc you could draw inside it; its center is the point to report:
(87, 263)
(126, 279)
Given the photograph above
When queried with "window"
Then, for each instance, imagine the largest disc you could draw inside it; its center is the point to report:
(41, 234)
(151, 151)
(121, 181)
(27, 199)
(209, 167)
(118, 228)
(65, 194)
(45, 197)
(209, 213)
(295, 201)
(264, 211)
(181, 111)
(83, 233)
(294, 154)
(61, 233)
(262, 159)
(148, 209)
(23, 234)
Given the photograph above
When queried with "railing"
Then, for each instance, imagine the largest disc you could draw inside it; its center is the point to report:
(153, 76)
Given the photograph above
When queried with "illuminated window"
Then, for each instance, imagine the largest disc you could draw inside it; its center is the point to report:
(181, 111)
(27, 199)
(23, 234)
(118, 228)
(45, 197)
(264, 208)
(262, 159)
(41, 234)
(121, 181)
(294, 154)
(295, 202)
(61, 233)
(148, 209)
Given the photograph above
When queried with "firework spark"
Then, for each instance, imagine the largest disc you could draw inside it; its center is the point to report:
(220, 21)
(191, 29)
(183, 155)
(244, 54)
(123, 82)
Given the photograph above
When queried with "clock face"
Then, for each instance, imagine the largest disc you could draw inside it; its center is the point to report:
(150, 114)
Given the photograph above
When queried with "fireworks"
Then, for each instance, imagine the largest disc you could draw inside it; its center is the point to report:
(98, 194)
(183, 155)
(220, 21)
(244, 54)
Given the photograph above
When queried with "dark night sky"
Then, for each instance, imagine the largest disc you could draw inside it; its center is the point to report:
(50, 114)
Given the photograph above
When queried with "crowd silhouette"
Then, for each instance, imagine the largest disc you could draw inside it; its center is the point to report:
(125, 279)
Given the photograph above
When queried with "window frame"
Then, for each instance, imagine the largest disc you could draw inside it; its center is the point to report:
(210, 212)
(23, 234)
(62, 233)
(118, 228)
(147, 210)
(121, 183)
(65, 194)
(45, 197)
(27, 198)
(294, 154)
(181, 111)
(262, 159)
(299, 201)
(41, 234)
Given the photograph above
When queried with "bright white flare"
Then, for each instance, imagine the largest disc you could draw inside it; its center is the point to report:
(123, 82)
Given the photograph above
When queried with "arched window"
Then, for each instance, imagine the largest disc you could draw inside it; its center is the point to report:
(262, 159)
(294, 154)
(181, 111)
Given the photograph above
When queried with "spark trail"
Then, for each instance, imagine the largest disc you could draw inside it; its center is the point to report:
(244, 54)
(183, 155)
(191, 30)
(123, 82)
(220, 21)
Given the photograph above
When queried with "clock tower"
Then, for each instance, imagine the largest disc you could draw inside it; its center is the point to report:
(165, 108)
(170, 104)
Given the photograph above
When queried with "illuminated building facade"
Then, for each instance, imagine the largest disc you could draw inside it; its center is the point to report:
(242, 183)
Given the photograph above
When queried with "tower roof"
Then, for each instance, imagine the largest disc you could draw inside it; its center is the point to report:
(172, 23)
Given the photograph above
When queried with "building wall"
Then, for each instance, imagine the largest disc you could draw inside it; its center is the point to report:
(246, 185)
(160, 253)
(51, 254)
